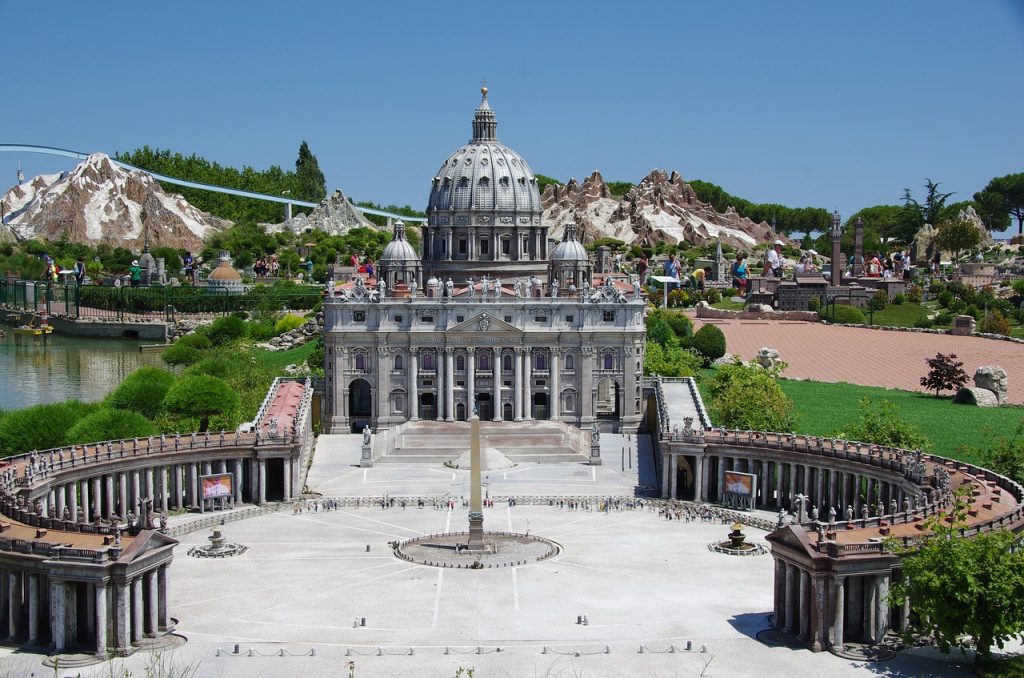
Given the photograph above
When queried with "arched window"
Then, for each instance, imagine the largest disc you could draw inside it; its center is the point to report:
(484, 181)
(360, 361)
(542, 363)
(463, 182)
(399, 404)
(428, 361)
(398, 363)
(506, 362)
(570, 362)
(460, 363)
(609, 361)
(485, 361)
(570, 403)
(503, 181)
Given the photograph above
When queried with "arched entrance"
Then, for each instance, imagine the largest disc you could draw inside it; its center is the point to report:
(484, 406)
(506, 412)
(360, 404)
(460, 412)
(540, 405)
(606, 402)
(428, 406)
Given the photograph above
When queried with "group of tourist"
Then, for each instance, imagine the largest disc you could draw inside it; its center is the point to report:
(896, 266)
(266, 267)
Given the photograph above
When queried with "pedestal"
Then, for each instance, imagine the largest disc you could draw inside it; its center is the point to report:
(476, 531)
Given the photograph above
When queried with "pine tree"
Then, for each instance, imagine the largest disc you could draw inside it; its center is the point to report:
(312, 186)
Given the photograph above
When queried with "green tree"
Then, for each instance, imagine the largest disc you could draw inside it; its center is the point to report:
(1005, 194)
(933, 209)
(750, 398)
(671, 360)
(880, 424)
(965, 591)
(544, 181)
(311, 184)
(1004, 455)
(201, 396)
(142, 391)
(957, 235)
(110, 424)
(40, 427)
(709, 342)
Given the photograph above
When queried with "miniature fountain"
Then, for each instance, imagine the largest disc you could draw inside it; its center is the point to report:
(736, 544)
(219, 547)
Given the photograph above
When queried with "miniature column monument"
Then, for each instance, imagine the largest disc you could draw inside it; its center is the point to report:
(858, 248)
(837, 255)
(476, 514)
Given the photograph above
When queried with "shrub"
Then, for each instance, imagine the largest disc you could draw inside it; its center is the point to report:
(973, 311)
(714, 296)
(995, 322)
(848, 315)
(945, 298)
(914, 294)
(671, 361)
(288, 322)
(201, 396)
(924, 322)
(226, 329)
(220, 366)
(709, 342)
(315, 360)
(944, 318)
(181, 354)
(259, 331)
(878, 301)
(879, 423)
(142, 391)
(1018, 287)
(196, 341)
(814, 304)
(945, 373)
(899, 299)
(937, 287)
(41, 427)
(110, 424)
(750, 398)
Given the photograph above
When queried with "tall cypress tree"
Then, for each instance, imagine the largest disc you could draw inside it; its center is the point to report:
(312, 185)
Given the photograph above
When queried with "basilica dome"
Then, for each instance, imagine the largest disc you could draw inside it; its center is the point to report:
(484, 175)
(570, 249)
(399, 248)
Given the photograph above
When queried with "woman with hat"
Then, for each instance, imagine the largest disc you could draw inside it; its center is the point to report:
(136, 273)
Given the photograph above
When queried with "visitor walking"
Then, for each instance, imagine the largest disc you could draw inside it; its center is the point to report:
(190, 267)
(672, 270)
(774, 262)
(79, 272)
(641, 268)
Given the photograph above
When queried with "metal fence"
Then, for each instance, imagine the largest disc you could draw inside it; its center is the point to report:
(152, 303)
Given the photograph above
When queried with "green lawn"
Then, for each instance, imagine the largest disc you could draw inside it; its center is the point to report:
(824, 409)
(729, 305)
(902, 315)
(277, 360)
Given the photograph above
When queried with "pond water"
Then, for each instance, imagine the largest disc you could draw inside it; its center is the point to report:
(32, 372)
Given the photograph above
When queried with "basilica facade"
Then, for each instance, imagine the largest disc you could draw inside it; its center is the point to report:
(490, 319)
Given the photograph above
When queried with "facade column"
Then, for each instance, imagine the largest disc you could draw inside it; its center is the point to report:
(101, 620)
(122, 617)
(805, 605)
(555, 394)
(108, 490)
(441, 399)
(780, 594)
(137, 609)
(791, 598)
(527, 385)
(517, 410)
(449, 383)
(673, 477)
(33, 608)
(496, 372)
(838, 611)
(14, 600)
(665, 471)
(287, 465)
(152, 602)
(882, 601)
(470, 383)
(414, 384)
(262, 466)
(721, 479)
(161, 608)
(870, 608)
(122, 496)
(97, 493)
(61, 495)
(239, 497)
(58, 613)
(698, 477)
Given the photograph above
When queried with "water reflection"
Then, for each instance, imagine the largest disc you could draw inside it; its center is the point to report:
(32, 372)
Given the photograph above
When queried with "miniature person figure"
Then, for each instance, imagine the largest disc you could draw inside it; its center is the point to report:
(449, 287)
(497, 288)
(849, 513)
(831, 515)
(382, 288)
(412, 289)
(554, 288)
(527, 288)
(366, 435)
(471, 287)
(782, 518)
(893, 507)
(163, 522)
(814, 513)
(906, 504)
(517, 289)
(865, 513)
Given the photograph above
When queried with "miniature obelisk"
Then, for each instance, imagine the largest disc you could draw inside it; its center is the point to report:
(476, 514)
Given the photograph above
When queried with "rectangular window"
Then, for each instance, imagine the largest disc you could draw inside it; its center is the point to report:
(541, 319)
(359, 316)
(427, 319)
(608, 316)
(542, 382)
(462, 245)
(508, 318)
(428, 382)
(485, 246)
(569, 318)
(506, 245)
(398, 318)
(508, 384)
(460, 383)
(459, 318)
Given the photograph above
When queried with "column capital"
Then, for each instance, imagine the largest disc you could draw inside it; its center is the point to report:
(449, 350)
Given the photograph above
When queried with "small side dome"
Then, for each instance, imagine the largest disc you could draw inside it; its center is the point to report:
(570, 249)
(399, 248)
(225, 272)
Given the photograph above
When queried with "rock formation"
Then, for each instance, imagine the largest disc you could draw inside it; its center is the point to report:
(661, 208)
(334, 215)
(99, 202)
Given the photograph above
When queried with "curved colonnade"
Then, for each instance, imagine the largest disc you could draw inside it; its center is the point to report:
(833, 570)
(83, 566)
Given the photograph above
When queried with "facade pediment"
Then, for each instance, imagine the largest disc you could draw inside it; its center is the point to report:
(485, 322)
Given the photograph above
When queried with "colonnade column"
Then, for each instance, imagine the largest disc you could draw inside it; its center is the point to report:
(414, 383)
(496, 376)
(721, 478)
(239, 498)
(440, 400)
(108, 490)
(665, 470)
(791, 598)
(122, 617)
(58, 613)
(60, 496)
(286, 464)
(673, 476)
(470, 383)
(161, 584)
(137, 609)
(33, 608)
(698, 477)
(83, 488)
(101, 620)
(780, 594)
(838, 610)
(527, 385)
(555, 395)
(517, 411)
(151, 603)
(13, 604)
(97, 501)
(449, 383)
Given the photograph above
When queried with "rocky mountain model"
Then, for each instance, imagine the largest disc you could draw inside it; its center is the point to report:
(334, 215)
(99, 202)
(661, 208)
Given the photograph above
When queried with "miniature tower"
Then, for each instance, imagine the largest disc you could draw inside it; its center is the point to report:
(476, 514)
(837, 255)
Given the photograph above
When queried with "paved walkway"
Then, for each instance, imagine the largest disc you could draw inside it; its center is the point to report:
(868, 357)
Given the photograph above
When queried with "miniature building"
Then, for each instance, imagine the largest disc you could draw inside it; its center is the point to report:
(225, 279)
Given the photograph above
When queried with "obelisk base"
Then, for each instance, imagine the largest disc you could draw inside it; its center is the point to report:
(476, 532)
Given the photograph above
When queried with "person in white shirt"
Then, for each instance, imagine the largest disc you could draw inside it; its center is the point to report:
(775, 260)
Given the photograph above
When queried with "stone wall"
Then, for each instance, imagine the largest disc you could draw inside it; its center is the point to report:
(707, 312)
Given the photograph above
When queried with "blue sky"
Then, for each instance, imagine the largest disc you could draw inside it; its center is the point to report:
(839, 105)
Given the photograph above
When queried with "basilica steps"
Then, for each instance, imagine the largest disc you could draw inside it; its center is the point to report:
(526, 442)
